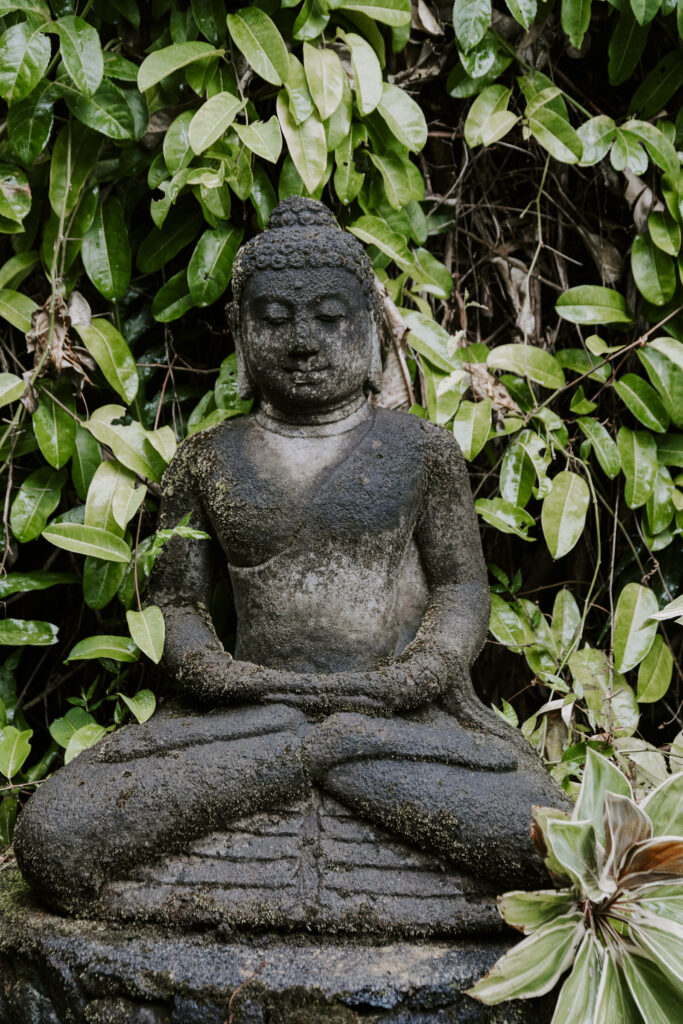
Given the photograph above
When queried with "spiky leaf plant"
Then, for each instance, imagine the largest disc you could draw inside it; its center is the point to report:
(617, 923)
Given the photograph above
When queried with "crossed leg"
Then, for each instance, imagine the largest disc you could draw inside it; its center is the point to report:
(147, 791)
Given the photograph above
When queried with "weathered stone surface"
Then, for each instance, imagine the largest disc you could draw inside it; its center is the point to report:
(66, 971)
(314, 866)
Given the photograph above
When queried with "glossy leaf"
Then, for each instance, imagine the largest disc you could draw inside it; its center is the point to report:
(633, 632)
(306, 143)
(599, 778)
(88, 540)
(389, 12)
(470, 21)
(655, 672)
(24, 56)
(643, 401)
(147, 629)
(653, 270)
(210, 266)
(638, 453)
(29, 632)
(166, 61)
(578, 996)
(11, 388)
(257, 37)
(471, 427)
(106, 252)
(263, 138)
(403, 117)
(563, 515)
(112, 355)
(576, 16)
(591, 304)
(15, 747)
(325, 79)
(212, 120)
(604, 446)
(367, 73)
(505, 516)
(664, 807)
(142, 705)
(35, 501)
(79, 46)
(53, 422)
(528, 361)
(84, 738)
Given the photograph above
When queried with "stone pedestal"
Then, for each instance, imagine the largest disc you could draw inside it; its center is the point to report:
(57, 970)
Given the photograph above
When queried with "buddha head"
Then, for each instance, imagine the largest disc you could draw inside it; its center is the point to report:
(306, 314)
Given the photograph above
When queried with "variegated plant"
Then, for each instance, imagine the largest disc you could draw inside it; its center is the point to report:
(618, 924)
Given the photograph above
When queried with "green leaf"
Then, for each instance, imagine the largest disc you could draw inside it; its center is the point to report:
(101, 580)
(604, 446)
(130, 442)
(600, 776)
(670, 611)
(39, 579)
(556, 135)
(664, 807)
(591, 304)
(403, 117)
(164, 62)
(596, 137)
(664, 231)
(389, 12)
(213, 119)
(670, 450)
(117, 648)
(15, 193)
(614, 1002)
(529, 911)
(84, 738)
(471, 19)
(325, 79)
(489, 119)
(566, 620)
(209, 16)
(160, 246)
(53, 424)
(11, 388)
(210, 266)
(112, 355)
(653, 270)
(85, 459)
(88, 540)
(306, 143)
(62, 729)
(638, 452)
(578, 996)
(657, 88)
(263, 138)
(176, 147)
(656, 999)
(74, 156)
(17, 309)
(79, 45)
(147, 629)
(633, 633)
(576, 17)
(30, 632)
(110, 480)
(654, 674)
(258, 38)
(106, 251)
(535, 965)
(607, 694)
(173, 299)
(563, 515)
(143, 704)
(527, 361)
(15, 747)
(296, 86)
(574, 845)
(523, 11)
(35, 501)
(505, 516)
(643, 401)
(471, 427)
(645, 10)
(24, 56)
(625, 47)
(397, 184)
(367, 72)
(507, 625)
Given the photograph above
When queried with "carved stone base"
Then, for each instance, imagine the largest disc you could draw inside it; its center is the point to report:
(60, 971)
(316, 867)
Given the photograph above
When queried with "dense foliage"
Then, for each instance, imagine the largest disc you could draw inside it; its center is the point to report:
(499, 165)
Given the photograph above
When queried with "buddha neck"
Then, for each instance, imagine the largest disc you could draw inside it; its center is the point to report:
(306, 423)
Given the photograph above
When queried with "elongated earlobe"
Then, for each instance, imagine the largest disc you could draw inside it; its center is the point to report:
(375, 378)
(245, 384)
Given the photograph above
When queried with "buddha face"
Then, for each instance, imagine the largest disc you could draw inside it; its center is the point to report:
(307, 337)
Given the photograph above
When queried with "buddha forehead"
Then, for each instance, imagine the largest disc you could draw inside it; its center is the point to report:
(298, 286)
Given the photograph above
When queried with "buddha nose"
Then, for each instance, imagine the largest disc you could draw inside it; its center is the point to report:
(303, 341)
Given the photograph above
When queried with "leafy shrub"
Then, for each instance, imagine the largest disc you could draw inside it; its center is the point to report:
(143, 142)
(620, 924)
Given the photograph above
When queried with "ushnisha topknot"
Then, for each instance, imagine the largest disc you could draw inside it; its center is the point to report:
(304, 233)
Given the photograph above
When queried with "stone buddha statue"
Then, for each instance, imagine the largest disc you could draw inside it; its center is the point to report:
(351, 543)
